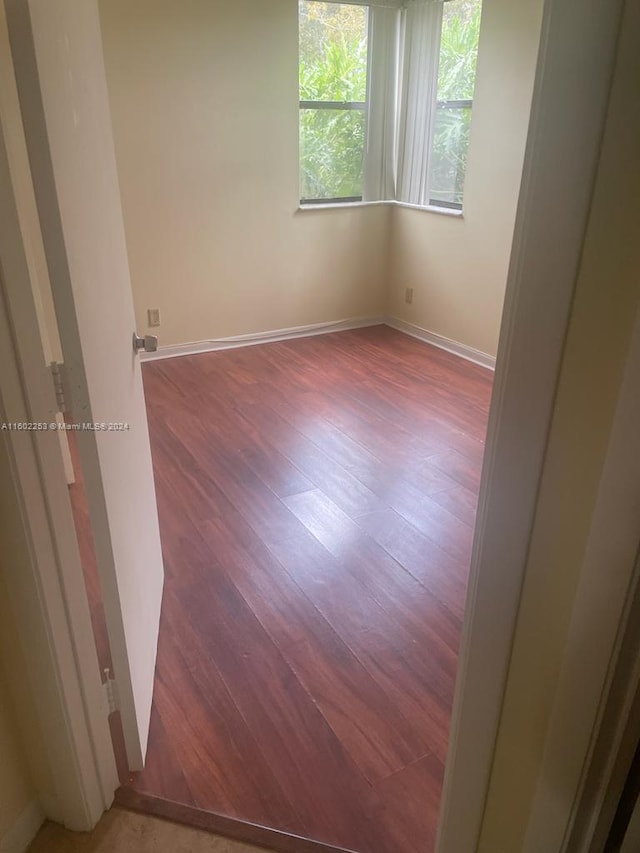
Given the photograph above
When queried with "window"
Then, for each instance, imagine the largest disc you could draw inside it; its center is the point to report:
(333, 100)
(456, 82)
(386, 93)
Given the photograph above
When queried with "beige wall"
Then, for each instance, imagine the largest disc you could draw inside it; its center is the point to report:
(458, 266)
(205, 117)
(606, 299)
(204, 109)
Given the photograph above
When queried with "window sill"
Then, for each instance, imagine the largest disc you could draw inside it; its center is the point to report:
(428, 208)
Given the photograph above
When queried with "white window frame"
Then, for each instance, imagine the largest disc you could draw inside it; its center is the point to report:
(362, 106)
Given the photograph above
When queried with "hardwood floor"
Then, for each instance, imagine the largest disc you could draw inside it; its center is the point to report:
(316, 500)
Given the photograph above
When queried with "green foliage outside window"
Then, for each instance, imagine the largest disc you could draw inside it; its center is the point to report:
(333, 67)
(459, 49)
(456, 81)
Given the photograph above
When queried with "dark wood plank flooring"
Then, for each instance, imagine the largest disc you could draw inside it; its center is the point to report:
(316, 500)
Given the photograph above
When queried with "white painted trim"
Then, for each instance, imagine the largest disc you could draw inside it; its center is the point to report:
(340, 205)
(430, 208)
(462, 350)
(598, 624)
(345, 205)
(575, 64)
(215, 344)
(172, 351)
(24, 830)
(50, 600)
(631, 842)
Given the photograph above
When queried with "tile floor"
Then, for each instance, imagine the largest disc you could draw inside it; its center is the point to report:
(122, 831)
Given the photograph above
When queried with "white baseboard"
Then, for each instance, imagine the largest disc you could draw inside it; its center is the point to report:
(468, 353)
(260, 338)
(24, 830)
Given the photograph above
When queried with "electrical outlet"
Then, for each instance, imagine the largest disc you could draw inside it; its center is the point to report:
(153, 317)
(408, 295)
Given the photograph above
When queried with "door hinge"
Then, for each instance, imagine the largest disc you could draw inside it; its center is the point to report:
(59, 376)
(110, 687)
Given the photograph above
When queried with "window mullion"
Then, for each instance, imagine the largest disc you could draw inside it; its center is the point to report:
(333, 105)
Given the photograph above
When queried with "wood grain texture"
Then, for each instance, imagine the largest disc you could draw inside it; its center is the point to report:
(317, 500)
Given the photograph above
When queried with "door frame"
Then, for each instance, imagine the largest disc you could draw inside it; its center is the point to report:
(560, 166)
(49, 601)
(559, 172)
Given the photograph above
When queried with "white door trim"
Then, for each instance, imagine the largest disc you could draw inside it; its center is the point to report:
(599, 623)
(632, 836)
(49, 602)
(575, 63)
